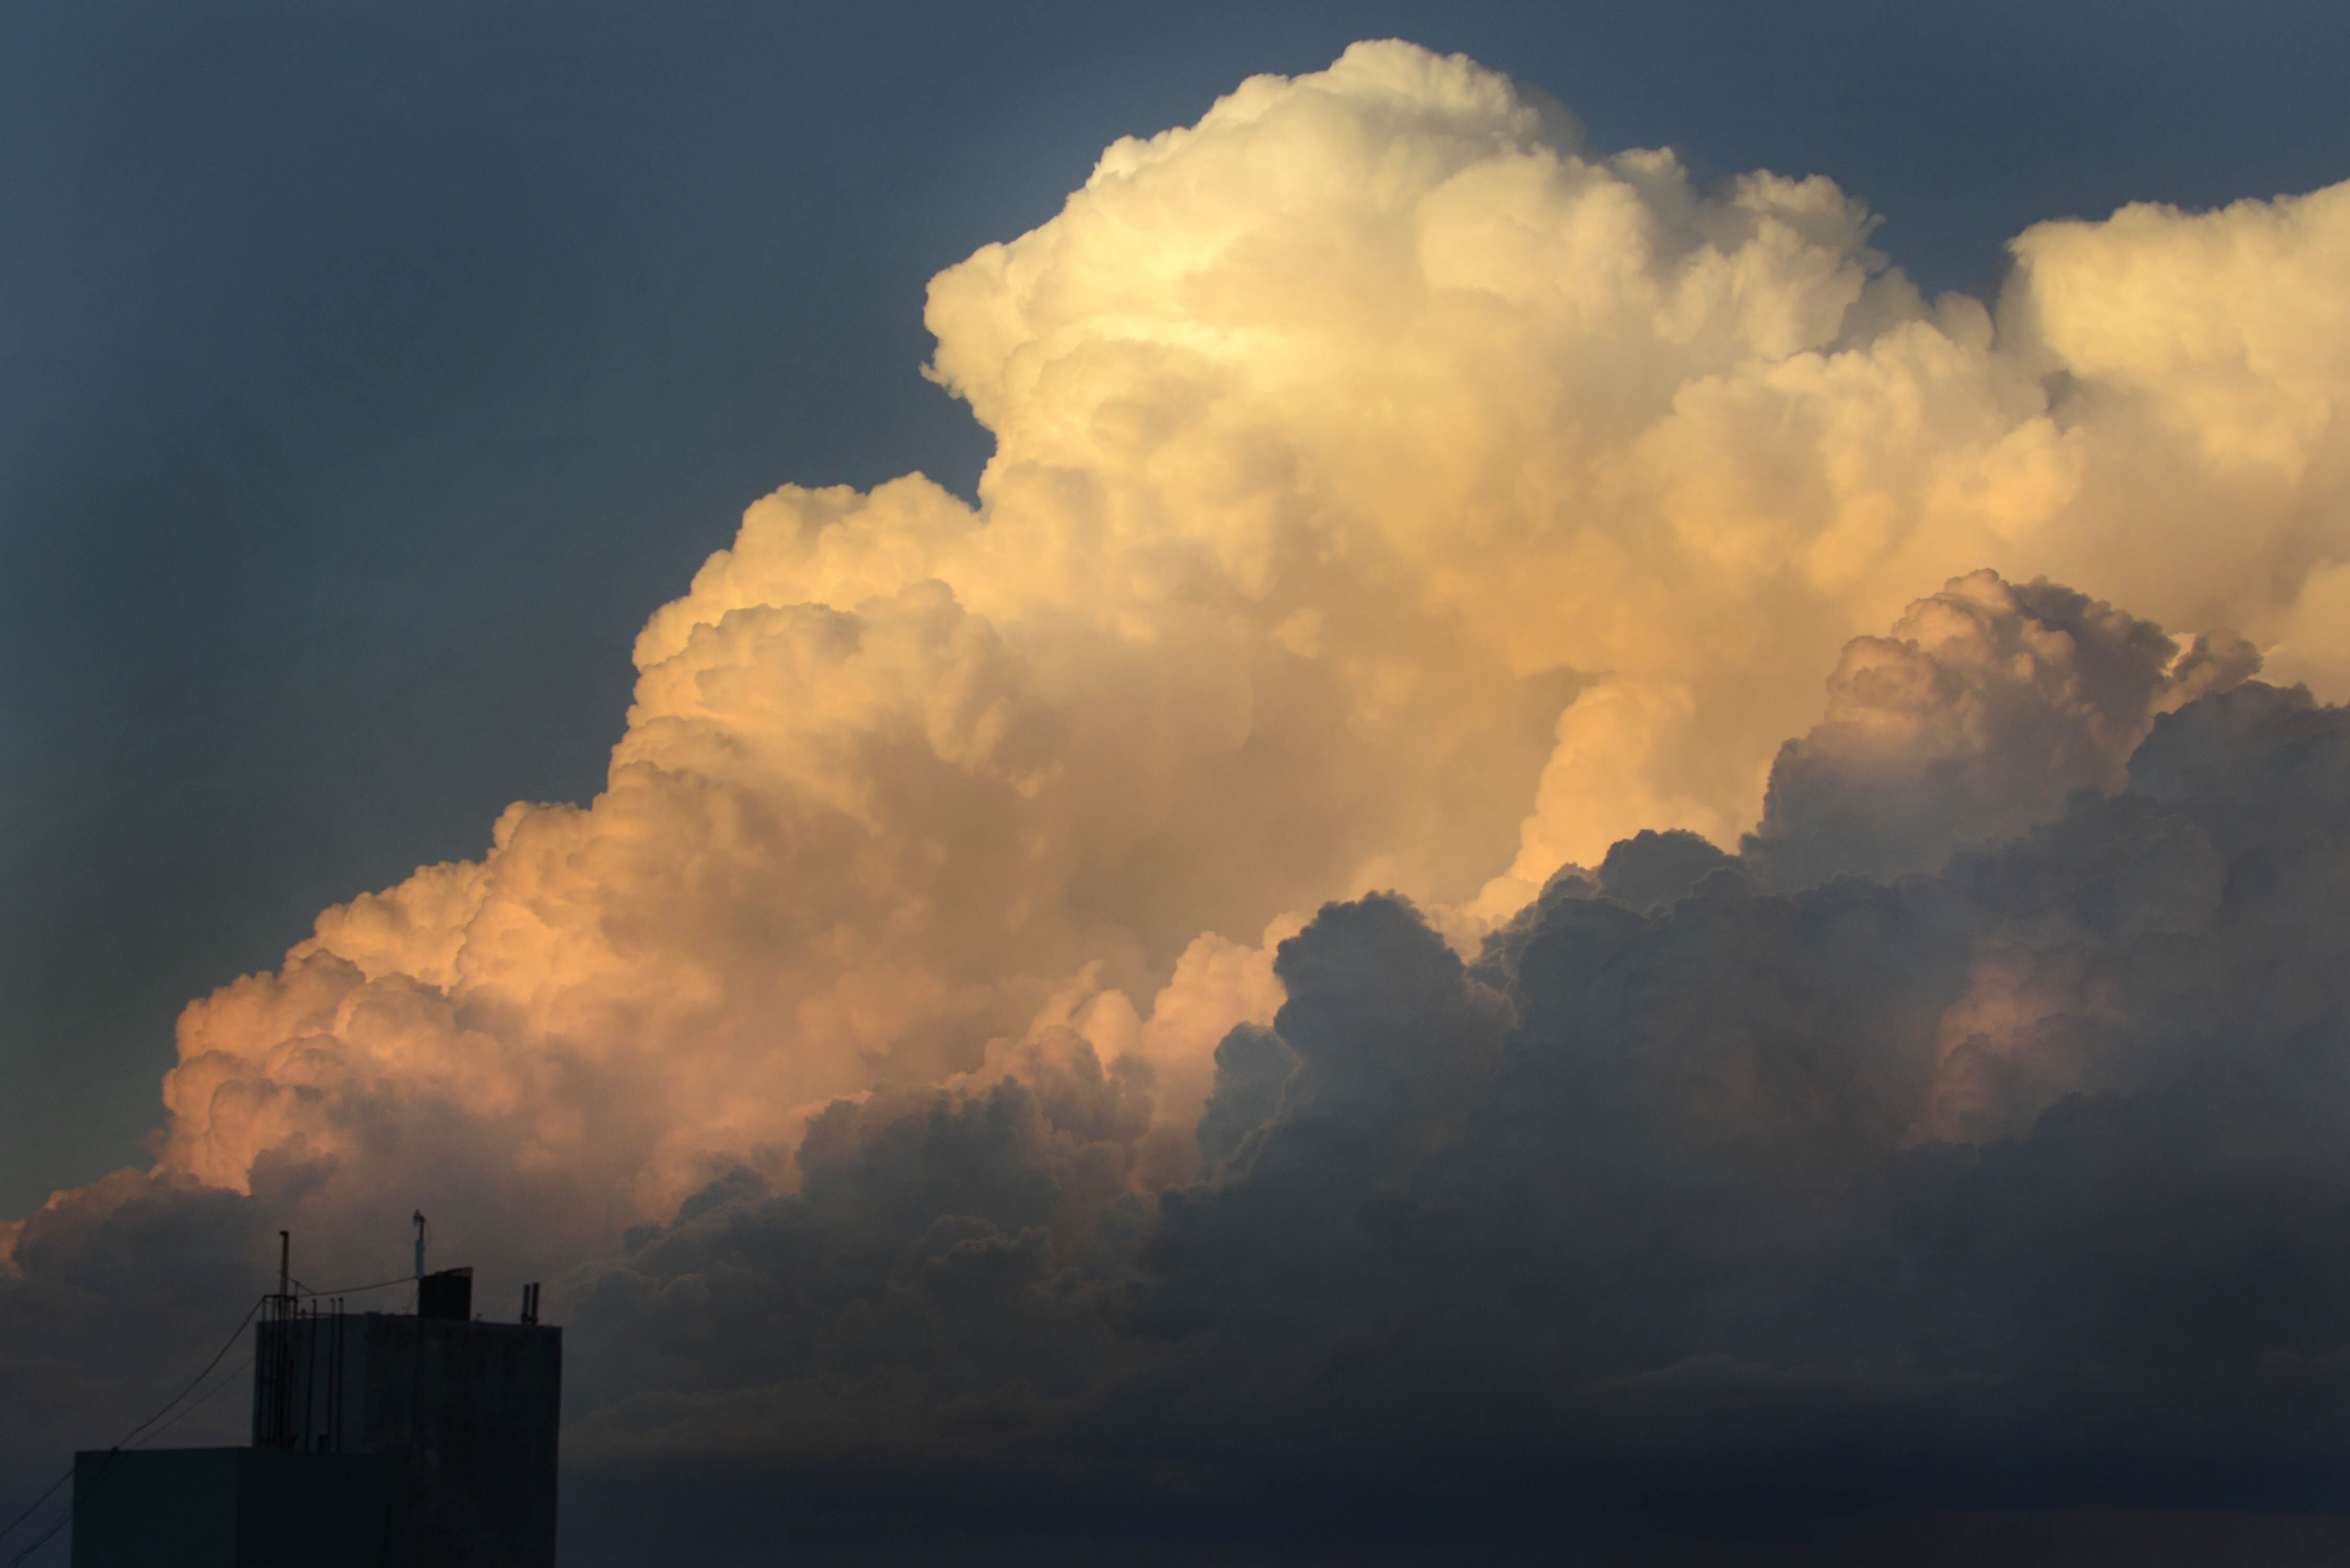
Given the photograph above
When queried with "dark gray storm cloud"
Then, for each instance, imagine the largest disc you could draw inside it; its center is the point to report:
(1681, 1201)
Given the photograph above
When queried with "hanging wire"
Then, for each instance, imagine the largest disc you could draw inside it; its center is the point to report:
(126, 1439)
(214, 1392)
(42, 1539)
(303, 1290)
(133, 1438)
(35, 1505)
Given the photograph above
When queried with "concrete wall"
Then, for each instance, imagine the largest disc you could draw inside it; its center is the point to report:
(472, 1407)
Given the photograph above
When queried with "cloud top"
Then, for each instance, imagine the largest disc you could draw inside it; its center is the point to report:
(1391, 492)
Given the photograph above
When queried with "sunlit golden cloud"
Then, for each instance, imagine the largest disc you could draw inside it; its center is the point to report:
(1390, 491)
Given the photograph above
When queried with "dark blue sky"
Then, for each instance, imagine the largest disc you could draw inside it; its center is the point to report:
(368, 372)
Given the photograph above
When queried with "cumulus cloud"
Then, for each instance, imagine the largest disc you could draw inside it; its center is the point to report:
(1987, 705)
(1391, 492)
(1397, 499)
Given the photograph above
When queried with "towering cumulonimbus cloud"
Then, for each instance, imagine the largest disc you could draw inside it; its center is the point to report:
(1394, 500)
(1390, 491)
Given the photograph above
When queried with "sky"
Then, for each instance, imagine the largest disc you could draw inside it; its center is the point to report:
(1068, 942)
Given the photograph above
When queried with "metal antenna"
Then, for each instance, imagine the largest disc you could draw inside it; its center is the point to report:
(273, 1349)
(419, 1243)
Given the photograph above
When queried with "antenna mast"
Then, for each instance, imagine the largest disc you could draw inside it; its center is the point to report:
(273, 1352)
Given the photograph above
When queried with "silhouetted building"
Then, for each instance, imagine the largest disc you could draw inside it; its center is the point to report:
(236, 1508)
(424, 1442)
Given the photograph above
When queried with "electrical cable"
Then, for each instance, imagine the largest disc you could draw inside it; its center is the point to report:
(131, 1437)
(210, 1395)
(354, 1289)
(128, 1438)
(42, 1540)
(35, 1505)
(216, 1392)
(226, 1346)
